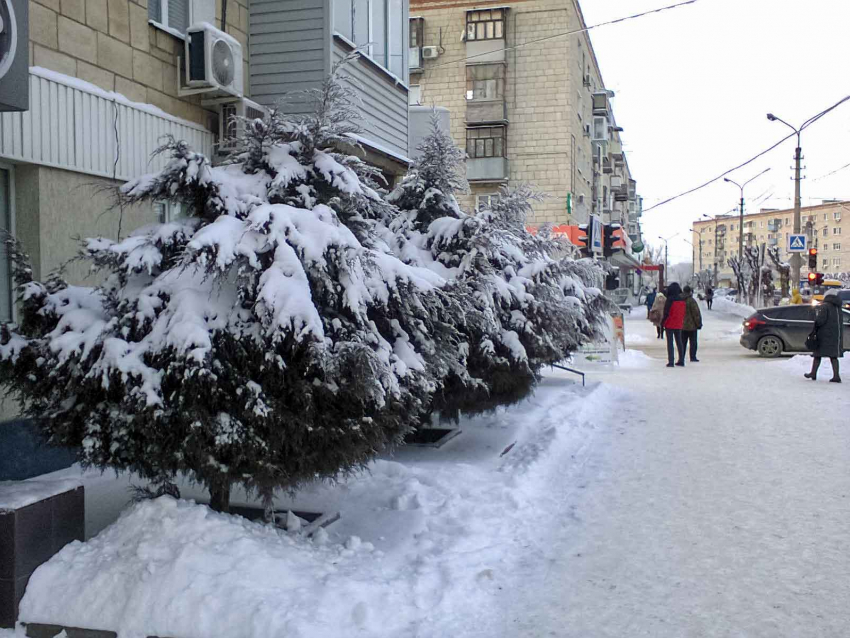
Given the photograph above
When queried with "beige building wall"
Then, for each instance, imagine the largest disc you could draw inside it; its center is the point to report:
(111, 44)
(830, 230)
(547, 101)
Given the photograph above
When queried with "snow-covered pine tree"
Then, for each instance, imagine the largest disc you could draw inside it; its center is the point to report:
(526, 307)
(268, 339)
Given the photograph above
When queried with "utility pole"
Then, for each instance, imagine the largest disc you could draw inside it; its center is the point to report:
(796, 259)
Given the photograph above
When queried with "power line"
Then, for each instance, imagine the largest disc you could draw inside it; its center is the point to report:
(831, 173)
(808, 122)
(562, 35)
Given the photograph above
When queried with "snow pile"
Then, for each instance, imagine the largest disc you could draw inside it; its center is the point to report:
(732, 307)
(427, 544)
(799, 363)
(633, 359)
(634, 339)
(17, 494)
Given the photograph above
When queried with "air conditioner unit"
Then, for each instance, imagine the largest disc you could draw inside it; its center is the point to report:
(231, 121)
(430, 53)
(586, 80)
(213, 60)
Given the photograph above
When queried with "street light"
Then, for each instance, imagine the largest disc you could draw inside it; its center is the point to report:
(741, 217)
(796, 260)
(695, 230)
(666, 264)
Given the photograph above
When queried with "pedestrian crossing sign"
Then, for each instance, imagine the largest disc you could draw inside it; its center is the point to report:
(796, 243)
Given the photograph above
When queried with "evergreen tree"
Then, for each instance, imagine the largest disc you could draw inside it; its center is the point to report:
(527, 306)
(268, 339)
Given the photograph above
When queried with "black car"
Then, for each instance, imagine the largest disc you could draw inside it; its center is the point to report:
(772, 331)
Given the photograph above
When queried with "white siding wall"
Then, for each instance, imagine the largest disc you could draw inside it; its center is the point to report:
(73, 126)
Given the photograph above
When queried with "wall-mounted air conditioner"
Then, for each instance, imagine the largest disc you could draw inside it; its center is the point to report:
(586, 80)
(213, 61)
(231, 121)
(430, 53)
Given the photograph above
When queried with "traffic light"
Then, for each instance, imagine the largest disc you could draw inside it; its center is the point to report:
(587, 238)
(608, 240)
(815, 278)
(813, 258)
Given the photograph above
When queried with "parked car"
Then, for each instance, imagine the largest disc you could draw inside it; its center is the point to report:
(772, 331)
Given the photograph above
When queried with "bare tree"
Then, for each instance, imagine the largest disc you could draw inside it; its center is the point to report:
(783, 268)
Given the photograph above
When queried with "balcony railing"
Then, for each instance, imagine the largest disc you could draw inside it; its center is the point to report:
(487, 169)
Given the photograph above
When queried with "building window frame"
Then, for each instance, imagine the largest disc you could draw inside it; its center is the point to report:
(484, 142)
(486, 89)
(485, 24)
(382, 35)
(486, 200)
(9, 170)
(160, 16)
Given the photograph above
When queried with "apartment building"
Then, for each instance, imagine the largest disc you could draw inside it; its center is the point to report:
(527, 104)
(827, 226)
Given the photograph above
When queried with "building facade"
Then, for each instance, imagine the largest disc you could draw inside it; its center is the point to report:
(826, 225)
(527, 103)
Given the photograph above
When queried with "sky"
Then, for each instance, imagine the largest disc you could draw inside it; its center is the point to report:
(693, 86)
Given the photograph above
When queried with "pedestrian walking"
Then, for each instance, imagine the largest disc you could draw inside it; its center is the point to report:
(829, 335)
(692, 323)
(673, 320)
(709, 296)
(657, 312)
(650, 299)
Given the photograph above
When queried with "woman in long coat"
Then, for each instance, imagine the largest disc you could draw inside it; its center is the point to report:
(830, 330)
(657, 311)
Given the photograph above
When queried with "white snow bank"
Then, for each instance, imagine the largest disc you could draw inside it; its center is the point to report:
(423, 547)
(799, 363)
(732, 307)
(17, 494)
(631, 359)
(633, 339)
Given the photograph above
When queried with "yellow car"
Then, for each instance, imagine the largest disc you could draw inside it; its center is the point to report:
(819, 291)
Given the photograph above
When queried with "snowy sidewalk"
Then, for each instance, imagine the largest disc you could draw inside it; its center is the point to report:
(716, 504)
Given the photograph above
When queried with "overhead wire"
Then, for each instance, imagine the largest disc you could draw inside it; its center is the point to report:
(807, 123)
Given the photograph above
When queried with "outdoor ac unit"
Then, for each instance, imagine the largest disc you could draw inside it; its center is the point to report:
(587, 130)
(587, 80)
(231, 121)
(213, 60)
(430, 53)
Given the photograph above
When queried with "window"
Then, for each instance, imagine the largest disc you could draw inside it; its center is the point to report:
(836, 216)
(836, 261)
(836, 246)
(825, 216)
(825, 231)
(485, 25)
(835, 231)
(5, 263)
(485, 82)
(761, 224)
(169, 211)
(485, 142)
(486, 201)
(171, 14)
(378, 27)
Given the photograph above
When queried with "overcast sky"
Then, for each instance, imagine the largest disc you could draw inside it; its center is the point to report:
(693, 87)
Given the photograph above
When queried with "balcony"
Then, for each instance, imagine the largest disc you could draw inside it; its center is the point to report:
(622, 193)
(486, 112)
(774, 225)
(487, 169)
(632, 190)
(601, 105)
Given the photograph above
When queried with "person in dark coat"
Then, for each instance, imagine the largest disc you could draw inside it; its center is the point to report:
(829, 325)
(650, 299)
(672, 320)
(692, 323)
(709, 296)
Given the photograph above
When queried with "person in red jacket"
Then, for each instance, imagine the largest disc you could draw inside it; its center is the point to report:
(673, 320)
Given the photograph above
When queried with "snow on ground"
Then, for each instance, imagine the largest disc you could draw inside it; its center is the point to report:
(425, 542)
(731, 307)
(715, 505)
(710, 500)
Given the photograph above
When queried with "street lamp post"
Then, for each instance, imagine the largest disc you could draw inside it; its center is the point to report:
(741, 215)
(714, 252)
(694, 230)
(796, 259)
(666, 254)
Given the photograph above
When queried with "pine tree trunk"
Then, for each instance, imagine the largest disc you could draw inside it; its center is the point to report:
(220, 497)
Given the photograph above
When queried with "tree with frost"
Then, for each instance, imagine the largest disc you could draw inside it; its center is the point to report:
(525, 307)
(269, 338)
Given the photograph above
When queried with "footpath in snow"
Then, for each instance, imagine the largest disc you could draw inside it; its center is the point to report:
(718, 505)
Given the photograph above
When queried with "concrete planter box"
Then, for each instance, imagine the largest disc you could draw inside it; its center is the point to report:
(431, 437)
(32, 529)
